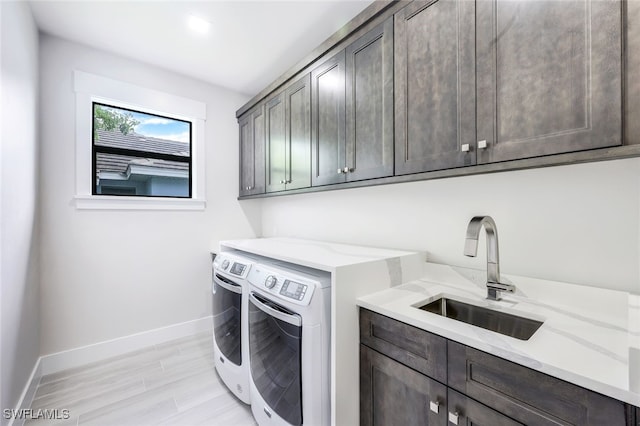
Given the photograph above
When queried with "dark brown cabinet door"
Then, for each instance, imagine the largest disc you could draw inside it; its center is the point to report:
(392, 394)
(435, 86)
(527, 395)
(298, 134)
(252, 144)
(276, 146)
(328, 121)
(288, 138)
(369, 104)
(352, 123)
(549, 77)
(465, 411)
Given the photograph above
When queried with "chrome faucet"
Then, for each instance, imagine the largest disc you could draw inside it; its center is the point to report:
(494, 286)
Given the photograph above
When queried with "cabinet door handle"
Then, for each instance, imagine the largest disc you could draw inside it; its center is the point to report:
(434, 406)
(339, 171)
(346, 170)
(283, 181)
(453, 417)
(464, 147)
(482, 144)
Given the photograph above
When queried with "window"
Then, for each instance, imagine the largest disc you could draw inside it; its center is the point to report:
(140, 154)
(137, 148)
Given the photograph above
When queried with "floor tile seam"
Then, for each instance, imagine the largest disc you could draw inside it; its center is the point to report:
(170, 382)
(103, 394)
(77, 386)
(103, 407)
(82, 396)
(100, 370)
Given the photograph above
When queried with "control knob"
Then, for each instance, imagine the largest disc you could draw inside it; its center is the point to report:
(225, 265)
(270, 282)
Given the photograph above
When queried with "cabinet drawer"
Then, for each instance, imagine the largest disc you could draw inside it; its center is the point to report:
(413, 347)
(526, 395)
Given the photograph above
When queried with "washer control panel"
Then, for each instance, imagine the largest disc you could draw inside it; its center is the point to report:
(232, 266)
(293, 289)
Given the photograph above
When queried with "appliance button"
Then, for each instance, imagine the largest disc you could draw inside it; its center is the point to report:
(270, 282)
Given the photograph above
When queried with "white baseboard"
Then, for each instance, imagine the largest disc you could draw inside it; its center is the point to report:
(98, 351)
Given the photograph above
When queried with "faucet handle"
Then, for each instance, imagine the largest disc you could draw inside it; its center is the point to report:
(502, 287)
(494, 290)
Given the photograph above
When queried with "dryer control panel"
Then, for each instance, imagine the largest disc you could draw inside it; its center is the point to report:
(284, 286)
(293, 289)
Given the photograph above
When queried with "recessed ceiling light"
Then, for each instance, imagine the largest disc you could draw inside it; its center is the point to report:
(198, 24)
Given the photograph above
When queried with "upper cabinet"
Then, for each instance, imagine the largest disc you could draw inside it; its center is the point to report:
(435, 86)
(288, 138)
(252, 152)
(369, 106)
(352, 111)
(549, 77)
(328, 121)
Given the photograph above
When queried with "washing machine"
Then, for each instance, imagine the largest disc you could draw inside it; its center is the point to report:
(289, 321)
(230, 332)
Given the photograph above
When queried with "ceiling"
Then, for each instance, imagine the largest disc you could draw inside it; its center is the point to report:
(250, 43)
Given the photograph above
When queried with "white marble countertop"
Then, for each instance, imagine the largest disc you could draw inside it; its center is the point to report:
(590, 336)
(321, 255)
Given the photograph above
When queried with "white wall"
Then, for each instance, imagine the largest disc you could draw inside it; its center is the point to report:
(108, 274)
(19, 272)
(576, 223)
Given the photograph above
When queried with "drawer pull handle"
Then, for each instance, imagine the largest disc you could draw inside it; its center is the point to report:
(453, 417)
(434, 406)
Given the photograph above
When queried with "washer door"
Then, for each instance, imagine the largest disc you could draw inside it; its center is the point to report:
(227, 309)
(275, 347)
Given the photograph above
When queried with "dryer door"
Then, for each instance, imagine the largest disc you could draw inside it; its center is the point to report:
(275, 347)
(227, 308)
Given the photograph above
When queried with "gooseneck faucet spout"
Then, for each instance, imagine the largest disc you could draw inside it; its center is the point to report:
(494, 286)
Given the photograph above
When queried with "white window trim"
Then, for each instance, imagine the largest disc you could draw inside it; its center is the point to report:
(91, 88)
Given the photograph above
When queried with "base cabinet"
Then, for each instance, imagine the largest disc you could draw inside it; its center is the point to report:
(462, 410)
(394, 394)
(527, 395)
(397, 385)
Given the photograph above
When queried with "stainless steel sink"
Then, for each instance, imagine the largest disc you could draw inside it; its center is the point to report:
(500, 322)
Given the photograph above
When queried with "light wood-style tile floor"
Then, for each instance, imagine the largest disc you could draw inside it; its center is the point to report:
(174, 383)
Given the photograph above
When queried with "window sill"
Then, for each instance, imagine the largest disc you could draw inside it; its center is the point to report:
(105, 202)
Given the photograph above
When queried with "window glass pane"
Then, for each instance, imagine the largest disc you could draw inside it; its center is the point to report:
(140, 154)
(126, 175)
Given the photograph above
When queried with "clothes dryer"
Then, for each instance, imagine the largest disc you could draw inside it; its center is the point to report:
(289, 322)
